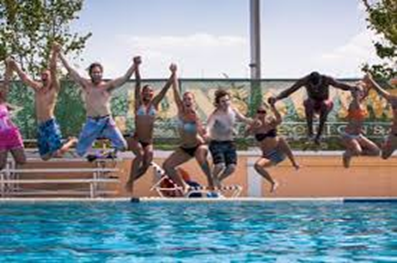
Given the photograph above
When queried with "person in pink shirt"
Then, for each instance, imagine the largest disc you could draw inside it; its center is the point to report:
(10, 137)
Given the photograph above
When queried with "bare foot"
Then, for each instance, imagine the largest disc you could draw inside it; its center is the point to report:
(296, 166)
(128, 186)
(346, 160)
(217, 183)
(274, 187)
(72, 139)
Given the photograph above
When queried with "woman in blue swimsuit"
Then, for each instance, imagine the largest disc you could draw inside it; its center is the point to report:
(192, 135)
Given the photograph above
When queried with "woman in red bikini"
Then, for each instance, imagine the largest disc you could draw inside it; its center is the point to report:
(353, 139)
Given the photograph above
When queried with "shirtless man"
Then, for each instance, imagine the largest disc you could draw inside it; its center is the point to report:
(318, 101)
(97, 95)
(49, 137)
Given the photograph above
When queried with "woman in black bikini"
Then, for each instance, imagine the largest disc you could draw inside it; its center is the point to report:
(274, 148)
(191, 134)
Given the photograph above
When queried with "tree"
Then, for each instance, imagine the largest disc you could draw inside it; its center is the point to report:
(29, 27)
(382, 18)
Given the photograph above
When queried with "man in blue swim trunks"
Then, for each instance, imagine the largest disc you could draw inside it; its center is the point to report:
(97, 94)
(49, 137)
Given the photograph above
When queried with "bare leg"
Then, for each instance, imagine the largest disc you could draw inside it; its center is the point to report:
(325, 109)
(260, 166)
(309, 112)
(218, 170)
(229, 170)
(61, 152)
(19, 156)
(136, 148)
(353, 148)
(147, 160)
(389, 146)
(286, 149)
(177, 158)
(201, 157)
(3, 159)
(66, 147)
(369, 147)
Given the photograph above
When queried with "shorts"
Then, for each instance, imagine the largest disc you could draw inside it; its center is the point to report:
(49, 137)
(101, 127)
(351, 136)
(223, 152)
(191, 151)
(275, 156)
(10, 139)
(317, 104)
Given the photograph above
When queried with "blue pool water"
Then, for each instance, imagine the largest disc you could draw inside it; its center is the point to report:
(198, 232)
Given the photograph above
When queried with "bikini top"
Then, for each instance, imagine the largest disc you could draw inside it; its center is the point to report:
(357, 114)
(270, 134)
(142, 110)
(5, 122)
(187, 126)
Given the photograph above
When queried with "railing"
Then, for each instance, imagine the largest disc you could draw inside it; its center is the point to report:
(13, 180)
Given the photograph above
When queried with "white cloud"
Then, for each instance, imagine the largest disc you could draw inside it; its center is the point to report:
(346, 60)
(198, 55)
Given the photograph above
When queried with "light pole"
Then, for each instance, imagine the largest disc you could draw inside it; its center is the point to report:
(255, 50)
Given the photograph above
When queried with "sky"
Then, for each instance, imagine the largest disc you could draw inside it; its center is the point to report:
(210, 38)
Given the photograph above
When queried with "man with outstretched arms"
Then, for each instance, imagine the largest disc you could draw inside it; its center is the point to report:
(318, 101)
(97, 95)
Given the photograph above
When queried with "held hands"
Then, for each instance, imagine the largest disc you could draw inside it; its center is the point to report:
(10, 62)
(272, 101)
(206, 138)
(137, 60)
(56, 47)
(257, 123)
(173, 68)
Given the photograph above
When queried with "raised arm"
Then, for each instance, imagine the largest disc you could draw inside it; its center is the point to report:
(53, 66)
(177, 95)
(300, 83)
(337, 84)
(118, 82)
(72, 72)
(4, 87)
(157, 99)
(137, 87)
(385, 94)
(23, 76)
(278, 119)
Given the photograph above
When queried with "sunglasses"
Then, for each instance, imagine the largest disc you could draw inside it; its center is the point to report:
(261, 111)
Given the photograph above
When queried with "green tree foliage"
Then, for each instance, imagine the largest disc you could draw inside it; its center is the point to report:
(29, 27)
(382, 18)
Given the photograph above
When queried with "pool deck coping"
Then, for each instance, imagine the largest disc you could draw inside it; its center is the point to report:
(205, 200)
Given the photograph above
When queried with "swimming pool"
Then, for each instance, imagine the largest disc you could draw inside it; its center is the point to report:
(198, 232)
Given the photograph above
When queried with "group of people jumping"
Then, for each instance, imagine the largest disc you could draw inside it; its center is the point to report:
(197, 139)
